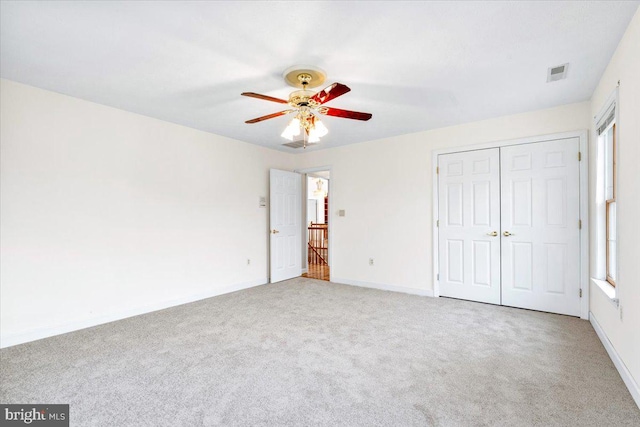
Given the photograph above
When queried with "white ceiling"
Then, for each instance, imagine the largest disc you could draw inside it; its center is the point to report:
(414, 65)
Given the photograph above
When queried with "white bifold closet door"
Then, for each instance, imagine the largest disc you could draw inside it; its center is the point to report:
(508, 226)
(469, 242)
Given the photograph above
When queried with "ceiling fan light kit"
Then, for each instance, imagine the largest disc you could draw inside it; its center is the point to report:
(308, 104)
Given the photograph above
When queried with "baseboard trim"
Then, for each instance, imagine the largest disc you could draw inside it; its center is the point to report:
(10, 340)
(628, 380)
(384, 287)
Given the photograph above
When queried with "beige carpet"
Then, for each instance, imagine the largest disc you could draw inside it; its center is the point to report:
(306, 352)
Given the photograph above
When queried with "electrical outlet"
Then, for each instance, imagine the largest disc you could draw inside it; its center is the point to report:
(248, 261)
(370, 261)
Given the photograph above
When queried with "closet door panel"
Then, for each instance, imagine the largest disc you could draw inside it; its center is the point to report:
(469, 212)
(540, 234)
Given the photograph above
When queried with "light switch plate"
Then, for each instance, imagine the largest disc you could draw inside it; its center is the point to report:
(341, 212)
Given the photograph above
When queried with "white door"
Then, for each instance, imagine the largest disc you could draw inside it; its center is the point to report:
(468, 232)
(285, 228)
(540, 232)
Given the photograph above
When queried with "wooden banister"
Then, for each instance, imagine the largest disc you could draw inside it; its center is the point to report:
(318, 243)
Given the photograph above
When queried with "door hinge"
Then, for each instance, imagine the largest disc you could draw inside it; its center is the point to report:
(580, 224)
(437, 170)
(438, 276)
(580, 292)
(579, 156)
(438, 223)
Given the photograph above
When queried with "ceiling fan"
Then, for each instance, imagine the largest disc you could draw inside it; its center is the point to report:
(308, 104)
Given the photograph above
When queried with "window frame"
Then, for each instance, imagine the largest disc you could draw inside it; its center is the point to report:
(603, 121)
(608, 202)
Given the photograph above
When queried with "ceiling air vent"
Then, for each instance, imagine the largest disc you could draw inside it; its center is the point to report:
(557, 73)
(298, 144)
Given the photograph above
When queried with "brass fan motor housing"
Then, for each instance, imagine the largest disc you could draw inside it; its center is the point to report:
(301, 98)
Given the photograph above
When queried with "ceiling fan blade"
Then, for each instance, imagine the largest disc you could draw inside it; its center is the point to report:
(265, 97)
(270, 116)
(330, 92)
(345, 114)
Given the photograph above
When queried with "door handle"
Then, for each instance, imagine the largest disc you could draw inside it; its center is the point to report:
(493, 233)
(507, 234)
(274, 231)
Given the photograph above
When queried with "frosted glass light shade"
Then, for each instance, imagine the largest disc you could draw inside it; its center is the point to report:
(313, 136)
(293, 129)
(321, 129)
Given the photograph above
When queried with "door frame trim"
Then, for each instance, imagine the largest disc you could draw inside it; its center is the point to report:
(582, 136)
(306, 171)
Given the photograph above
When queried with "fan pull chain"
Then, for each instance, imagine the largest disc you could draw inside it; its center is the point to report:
(304, 138)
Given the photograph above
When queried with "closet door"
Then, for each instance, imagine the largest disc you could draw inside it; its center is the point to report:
(540, 232)
(468, 232)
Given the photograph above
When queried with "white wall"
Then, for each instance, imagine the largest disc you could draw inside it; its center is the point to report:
(624, 334)
(107, 214)
(385, 188)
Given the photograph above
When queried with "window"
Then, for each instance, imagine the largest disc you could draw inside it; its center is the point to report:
(606, 195)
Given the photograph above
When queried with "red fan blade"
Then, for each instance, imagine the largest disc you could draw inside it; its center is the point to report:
(346, 114)
(330, 92)
(270, 116)
(265, 97)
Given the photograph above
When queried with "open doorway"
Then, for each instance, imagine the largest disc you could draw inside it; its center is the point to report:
(317, 225)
